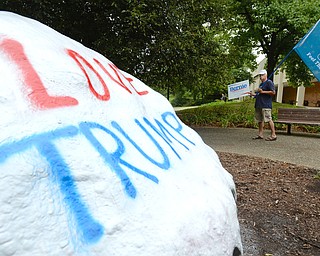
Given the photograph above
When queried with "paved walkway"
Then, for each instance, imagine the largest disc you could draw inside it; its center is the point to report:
(300, 149)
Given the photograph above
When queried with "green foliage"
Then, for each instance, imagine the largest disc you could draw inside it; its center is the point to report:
(196, 46)
(164, 43)
(297, 72)
(182, 99)
(220, 113)
(74, 18)
(275, 26)
(234, 114)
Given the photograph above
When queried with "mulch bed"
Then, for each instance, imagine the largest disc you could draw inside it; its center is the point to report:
(278, 206)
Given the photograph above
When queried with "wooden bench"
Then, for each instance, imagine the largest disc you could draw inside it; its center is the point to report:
(305, 116)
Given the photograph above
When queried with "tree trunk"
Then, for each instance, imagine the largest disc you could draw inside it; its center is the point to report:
(271, 64)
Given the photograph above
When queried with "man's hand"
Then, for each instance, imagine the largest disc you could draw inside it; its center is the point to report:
(250, 93)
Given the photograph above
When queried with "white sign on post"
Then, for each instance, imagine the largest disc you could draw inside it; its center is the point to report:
(237, 90)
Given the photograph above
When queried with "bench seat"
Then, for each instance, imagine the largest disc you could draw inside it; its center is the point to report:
(305, 116)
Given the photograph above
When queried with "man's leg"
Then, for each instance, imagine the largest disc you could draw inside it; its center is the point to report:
(261, 125)
(272, 128)
(268, 118)
(259, 118)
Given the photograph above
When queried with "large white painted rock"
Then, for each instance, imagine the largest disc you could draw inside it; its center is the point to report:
(94, 162)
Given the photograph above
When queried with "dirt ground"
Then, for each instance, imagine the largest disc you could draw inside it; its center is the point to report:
(278, 206)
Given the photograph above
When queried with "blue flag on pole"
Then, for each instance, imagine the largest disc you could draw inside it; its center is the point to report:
(308, 49)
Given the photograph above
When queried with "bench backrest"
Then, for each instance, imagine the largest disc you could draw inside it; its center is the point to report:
(299, 114)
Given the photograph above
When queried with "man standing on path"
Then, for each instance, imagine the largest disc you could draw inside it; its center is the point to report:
(263, 105)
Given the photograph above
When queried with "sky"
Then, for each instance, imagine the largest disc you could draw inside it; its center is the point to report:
(260, 58)
(95, 162)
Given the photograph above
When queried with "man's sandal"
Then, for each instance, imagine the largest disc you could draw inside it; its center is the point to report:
(258, 137)
(271, 138)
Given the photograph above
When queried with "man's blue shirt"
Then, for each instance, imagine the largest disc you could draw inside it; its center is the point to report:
(264, 100)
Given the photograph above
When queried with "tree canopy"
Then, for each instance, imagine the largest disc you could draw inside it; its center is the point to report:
(198, 46)
(276, 27)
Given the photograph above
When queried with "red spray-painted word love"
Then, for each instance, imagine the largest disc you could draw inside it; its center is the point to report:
(39, 96)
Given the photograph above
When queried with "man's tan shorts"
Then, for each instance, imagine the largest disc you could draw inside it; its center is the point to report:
(263, 114)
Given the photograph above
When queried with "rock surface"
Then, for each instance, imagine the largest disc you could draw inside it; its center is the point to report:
(94, 162)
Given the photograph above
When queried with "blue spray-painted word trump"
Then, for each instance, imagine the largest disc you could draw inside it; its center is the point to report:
(89, 228)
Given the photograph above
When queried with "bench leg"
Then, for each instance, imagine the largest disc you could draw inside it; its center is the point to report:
(288, 128)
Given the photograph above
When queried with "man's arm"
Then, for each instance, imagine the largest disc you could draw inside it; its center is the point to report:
(272, 93)
(269, 89)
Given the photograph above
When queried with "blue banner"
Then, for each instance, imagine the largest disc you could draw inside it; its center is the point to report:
(309, 50)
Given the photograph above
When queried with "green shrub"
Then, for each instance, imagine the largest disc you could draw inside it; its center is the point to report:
(234, 114)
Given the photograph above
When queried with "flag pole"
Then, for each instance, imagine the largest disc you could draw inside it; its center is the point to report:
(281, 62)
(301, 41)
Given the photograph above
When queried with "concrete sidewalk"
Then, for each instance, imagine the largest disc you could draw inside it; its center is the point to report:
(298, 148)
